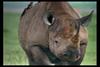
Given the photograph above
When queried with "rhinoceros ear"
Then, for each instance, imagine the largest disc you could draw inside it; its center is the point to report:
(48, 18)
(84, 21)
(30, 5)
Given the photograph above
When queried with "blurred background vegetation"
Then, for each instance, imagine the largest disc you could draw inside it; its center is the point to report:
(13, 54)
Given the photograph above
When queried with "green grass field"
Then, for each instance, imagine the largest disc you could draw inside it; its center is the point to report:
(13, 54)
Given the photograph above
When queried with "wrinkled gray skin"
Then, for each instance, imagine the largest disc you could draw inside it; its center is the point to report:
(64, 34)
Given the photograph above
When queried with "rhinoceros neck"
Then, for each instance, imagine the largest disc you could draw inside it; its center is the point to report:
(50, 55)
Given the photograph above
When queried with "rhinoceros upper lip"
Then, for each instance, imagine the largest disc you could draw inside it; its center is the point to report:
(72, 59)
(76, 61)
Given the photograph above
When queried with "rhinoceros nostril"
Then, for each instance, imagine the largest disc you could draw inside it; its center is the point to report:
(56, 41)
(77, 57)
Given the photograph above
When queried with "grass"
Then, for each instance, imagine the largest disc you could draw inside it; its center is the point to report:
(13, 54)
(90, 57)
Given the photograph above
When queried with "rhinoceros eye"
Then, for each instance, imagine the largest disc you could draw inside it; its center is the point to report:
(49, 18)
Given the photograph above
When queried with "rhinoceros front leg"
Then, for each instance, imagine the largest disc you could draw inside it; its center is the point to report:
(37, 57)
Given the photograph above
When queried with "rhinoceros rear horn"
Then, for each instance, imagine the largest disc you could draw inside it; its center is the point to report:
(84, 21)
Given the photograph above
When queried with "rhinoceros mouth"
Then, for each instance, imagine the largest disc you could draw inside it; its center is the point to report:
(70, 61)
(60, 59)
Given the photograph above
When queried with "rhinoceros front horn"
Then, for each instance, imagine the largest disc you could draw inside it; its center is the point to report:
(84, 21)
